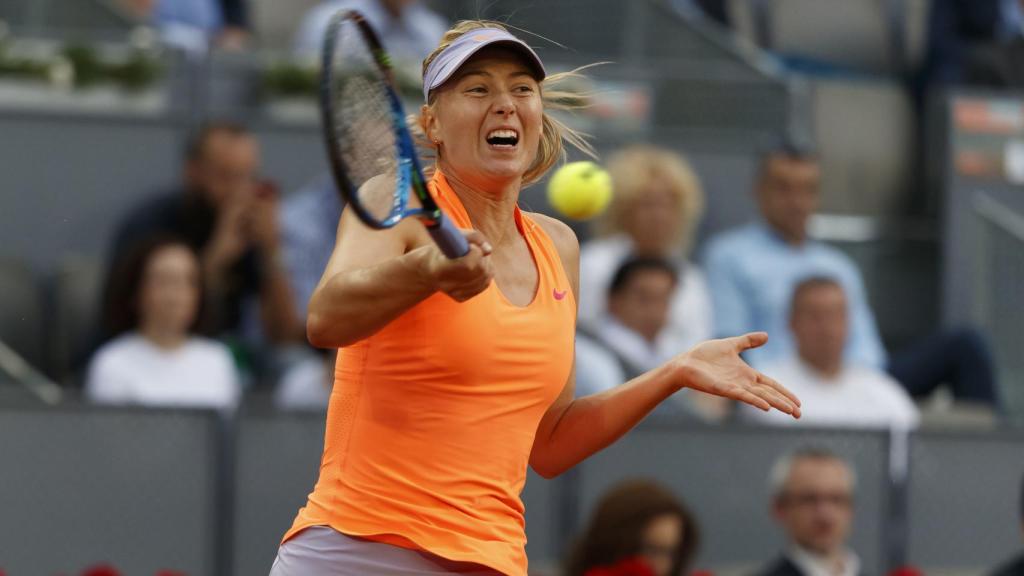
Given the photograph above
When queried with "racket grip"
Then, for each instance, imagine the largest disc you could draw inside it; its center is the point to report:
(449, 239)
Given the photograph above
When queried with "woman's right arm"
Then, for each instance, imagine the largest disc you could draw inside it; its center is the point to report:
(373, 276)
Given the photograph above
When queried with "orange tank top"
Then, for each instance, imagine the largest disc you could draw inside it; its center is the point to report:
(432, 419)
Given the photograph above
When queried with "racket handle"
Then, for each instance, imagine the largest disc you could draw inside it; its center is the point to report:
(449, 239)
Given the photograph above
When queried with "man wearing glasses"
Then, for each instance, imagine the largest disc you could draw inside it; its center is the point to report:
(812, 491)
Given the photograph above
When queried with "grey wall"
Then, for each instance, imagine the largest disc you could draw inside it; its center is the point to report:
(277, 461)
(965, 501)
(68, 179)
(136, 489)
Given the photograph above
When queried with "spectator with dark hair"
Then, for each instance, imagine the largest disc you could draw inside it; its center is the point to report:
(638, 302)
(752, 272)
(633, 331)
(655, 212)
(834, 392)
(156, 358)
(641, 521)
(224, 213)
(1015, 567)
(812, 500)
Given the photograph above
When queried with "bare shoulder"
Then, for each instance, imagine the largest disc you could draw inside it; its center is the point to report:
(561, 234)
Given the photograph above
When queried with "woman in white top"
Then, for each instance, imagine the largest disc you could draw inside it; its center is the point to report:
(156, 359)
(657, 205)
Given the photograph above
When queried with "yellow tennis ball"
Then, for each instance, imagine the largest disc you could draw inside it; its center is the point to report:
(580, 190)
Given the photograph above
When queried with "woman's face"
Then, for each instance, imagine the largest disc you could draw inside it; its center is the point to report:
(661, 540)
(488, 119)
(169, 292)
(652, 219)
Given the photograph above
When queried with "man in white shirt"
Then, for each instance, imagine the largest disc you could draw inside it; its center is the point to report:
(639, 299)
(638, 303)
(812, 499)
(833, 391)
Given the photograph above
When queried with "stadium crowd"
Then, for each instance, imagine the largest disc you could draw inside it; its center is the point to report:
(206, 288)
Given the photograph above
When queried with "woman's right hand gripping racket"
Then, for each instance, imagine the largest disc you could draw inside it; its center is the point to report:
(364, 125)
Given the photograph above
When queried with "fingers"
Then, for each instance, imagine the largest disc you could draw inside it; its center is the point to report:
(465, 277)
(774, 394)
(777, 400)
(763, 379)
(751, 340)
(764, 398)
(477, 238)
(749, 398)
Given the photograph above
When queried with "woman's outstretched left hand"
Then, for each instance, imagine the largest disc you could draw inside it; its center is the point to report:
(715, 367)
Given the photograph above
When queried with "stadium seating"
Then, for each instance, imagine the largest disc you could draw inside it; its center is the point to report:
(21, 310)
(77, 287)
(864, 132)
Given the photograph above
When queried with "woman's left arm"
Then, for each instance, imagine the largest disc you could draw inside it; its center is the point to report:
(574, 428)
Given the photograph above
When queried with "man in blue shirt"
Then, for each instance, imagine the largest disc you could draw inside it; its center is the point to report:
(753, 270)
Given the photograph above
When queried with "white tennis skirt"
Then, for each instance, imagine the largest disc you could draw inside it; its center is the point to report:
(323, 551)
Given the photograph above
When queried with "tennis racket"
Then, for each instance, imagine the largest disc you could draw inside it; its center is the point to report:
(364, 126)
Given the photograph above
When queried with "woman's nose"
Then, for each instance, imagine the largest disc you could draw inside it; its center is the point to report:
(504, 105)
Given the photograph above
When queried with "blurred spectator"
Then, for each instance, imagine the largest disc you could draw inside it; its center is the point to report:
(195, 25)
(637, 519)
(833, 392)
(407, 29)
(638, 303)
(639, 298)
(655, 211)
(156, 359)
(309, 225)
(752, 272)
(231, 220)
(1015, 567)
(307, 384)
(812, 500)
(597, 368)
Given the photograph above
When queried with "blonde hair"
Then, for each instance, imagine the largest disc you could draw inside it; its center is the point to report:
(633, 169)
(554, 133)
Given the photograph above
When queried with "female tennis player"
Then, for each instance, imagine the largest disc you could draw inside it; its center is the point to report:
(456, 374)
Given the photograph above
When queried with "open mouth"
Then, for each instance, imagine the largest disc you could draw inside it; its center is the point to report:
(503, 138)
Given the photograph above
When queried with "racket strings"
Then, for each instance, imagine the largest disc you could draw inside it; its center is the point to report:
(363, 117)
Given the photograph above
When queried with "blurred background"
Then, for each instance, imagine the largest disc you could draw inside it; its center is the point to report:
(165, 210)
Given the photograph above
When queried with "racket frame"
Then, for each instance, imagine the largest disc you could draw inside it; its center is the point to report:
(409, 172)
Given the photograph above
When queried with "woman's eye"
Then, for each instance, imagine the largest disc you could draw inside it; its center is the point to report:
(477, 90)
(524, 89)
